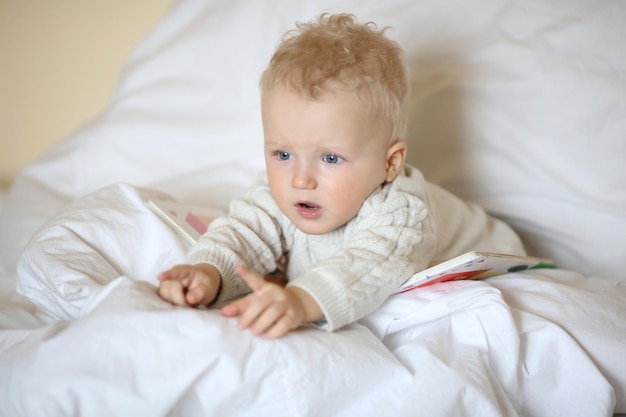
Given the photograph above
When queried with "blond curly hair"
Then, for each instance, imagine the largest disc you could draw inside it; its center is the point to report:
(335, 51)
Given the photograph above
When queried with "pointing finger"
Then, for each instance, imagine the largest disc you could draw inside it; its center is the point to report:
(254, 280)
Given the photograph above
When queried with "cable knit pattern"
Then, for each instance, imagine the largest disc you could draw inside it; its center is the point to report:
(250, 235)
(403, 227)
(389, 239)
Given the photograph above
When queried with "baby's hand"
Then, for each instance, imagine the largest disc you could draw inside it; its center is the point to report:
(189, 285)
(271, 310)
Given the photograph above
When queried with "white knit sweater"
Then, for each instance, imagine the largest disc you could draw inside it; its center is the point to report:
(403, 227)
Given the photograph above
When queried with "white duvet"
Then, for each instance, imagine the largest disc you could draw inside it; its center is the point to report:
(501, 347)
(518, 105)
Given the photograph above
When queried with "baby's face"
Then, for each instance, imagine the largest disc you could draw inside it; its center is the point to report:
(324, 157)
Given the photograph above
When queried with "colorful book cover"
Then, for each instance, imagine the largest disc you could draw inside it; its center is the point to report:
(474, 265)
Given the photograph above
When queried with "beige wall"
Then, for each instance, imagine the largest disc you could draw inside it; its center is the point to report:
(59, 60)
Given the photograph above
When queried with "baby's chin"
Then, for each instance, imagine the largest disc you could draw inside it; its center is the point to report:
(315, 227)
(310, 227)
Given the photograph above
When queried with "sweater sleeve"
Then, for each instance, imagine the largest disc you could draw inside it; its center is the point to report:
(249, 235)
(389, 240)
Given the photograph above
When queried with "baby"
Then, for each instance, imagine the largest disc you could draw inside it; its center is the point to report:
(338, 201)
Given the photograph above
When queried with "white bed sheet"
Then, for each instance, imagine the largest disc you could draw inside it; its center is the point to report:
(134, 353)
(17, 313)
(450, 349)
(518, 105)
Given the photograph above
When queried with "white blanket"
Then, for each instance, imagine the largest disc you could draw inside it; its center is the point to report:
(491, 348)
(517, 105)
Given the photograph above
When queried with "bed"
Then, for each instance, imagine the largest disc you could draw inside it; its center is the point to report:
(519, 106)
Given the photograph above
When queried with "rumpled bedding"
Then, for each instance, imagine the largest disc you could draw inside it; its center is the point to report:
(517, 105)
(501, 347)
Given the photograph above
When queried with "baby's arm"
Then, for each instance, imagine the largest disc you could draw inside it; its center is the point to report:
(271, 310)
(190, 285)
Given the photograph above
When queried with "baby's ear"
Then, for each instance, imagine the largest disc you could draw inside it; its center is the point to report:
(396, 154)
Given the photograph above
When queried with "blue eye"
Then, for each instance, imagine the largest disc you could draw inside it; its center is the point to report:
(283, 156)
(331, 158)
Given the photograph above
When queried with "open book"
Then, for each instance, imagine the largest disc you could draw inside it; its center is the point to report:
(189, 221)
(474, 265)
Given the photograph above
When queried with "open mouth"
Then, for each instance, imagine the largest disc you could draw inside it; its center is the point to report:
(308, 209)
(308, 206)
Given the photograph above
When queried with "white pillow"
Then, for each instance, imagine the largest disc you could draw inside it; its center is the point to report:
(525, 115)
(518, 106)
